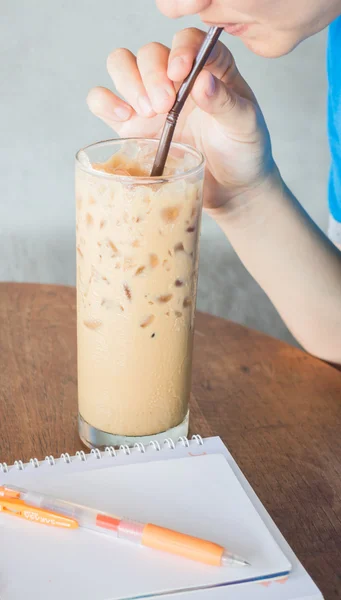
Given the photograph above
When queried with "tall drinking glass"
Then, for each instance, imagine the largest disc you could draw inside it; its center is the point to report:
(137, 267)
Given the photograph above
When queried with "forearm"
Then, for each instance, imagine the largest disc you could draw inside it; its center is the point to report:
(295, 264)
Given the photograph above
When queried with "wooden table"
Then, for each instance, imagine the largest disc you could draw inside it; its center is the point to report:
(277, 409)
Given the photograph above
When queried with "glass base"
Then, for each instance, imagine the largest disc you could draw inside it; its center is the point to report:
(95, 438)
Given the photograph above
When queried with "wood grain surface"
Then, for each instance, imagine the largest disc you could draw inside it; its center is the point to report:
(277, 409)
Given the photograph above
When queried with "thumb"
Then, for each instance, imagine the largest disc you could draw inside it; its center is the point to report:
(216, 98)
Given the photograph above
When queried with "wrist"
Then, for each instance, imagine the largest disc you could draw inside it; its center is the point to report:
(252, 206)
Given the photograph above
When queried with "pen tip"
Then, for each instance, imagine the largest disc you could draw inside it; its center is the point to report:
(247, 564)
(231, 560)
(241, 562)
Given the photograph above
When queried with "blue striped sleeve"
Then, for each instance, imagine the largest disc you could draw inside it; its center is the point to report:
(334, 127)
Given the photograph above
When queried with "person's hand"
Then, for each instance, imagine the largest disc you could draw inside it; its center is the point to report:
(221, 118)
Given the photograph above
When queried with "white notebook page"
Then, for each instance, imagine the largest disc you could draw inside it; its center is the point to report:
(200, 496)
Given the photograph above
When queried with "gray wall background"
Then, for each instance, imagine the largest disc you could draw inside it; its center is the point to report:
(53, 52)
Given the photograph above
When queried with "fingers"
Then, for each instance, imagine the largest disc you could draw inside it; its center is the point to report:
(221, 63)
(221, 101)
(143, 80)
(148, 82)
(152, 62)
(122, 68)
(185, 47)
(108, 107)
(103, 104)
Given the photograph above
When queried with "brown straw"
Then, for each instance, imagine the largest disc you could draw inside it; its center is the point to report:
(181, 97)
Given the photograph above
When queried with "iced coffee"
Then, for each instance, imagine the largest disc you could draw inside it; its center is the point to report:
(137, 267)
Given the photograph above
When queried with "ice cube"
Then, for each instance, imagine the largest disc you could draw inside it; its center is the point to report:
(84, 159)
(130, 149)
(147, 152)
(188, 162)
(175, 189)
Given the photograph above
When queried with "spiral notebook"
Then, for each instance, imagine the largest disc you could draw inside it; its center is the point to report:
(193, 486)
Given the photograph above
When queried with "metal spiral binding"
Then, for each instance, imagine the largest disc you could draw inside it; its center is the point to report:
(96, 453)
(66, 457)
(81, 455)
(108, 452)
(140, 447)
(169, 442)
(198, 439)
(19, 465)
(155, 445)
(184, 441)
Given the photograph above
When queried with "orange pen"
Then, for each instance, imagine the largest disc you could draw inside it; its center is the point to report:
(48, 510)
(19, 508)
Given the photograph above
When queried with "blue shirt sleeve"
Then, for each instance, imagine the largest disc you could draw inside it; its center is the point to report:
(334, 123)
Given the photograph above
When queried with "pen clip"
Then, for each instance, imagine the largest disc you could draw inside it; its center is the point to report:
(19, 508)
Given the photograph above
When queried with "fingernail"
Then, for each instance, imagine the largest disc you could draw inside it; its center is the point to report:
(210, 86)
(122, 113)
(175, 66)
(159, 98)
(145, 106)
